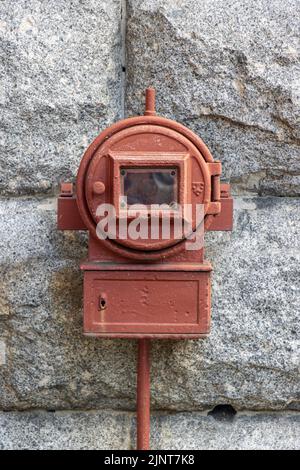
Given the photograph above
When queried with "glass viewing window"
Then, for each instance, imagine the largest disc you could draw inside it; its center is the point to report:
(150, 185)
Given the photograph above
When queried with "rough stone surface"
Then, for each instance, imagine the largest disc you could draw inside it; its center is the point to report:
(65, 430)
(251, 359)
(60, 73)
(2, 352)
(188, 431)
(111, 430)
(229, 70)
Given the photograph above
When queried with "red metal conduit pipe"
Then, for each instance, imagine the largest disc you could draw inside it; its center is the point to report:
(143, 395)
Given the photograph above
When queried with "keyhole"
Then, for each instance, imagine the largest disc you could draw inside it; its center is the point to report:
(102, 303)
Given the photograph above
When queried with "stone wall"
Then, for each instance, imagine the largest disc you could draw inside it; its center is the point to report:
(230, 71)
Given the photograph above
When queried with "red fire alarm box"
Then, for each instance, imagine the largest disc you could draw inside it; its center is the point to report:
(147, 189)
(139, 183)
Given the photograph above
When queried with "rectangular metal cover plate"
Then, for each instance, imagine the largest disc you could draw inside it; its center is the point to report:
(132, 303)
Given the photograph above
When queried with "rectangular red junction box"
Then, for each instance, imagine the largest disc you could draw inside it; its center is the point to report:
(142, 301)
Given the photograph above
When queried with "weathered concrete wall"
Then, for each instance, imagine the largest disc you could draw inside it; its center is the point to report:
(228, 70)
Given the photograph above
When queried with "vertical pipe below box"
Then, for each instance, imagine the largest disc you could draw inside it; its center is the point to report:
(143, 395)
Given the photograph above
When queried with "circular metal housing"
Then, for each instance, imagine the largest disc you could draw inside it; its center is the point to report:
(147, 159)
